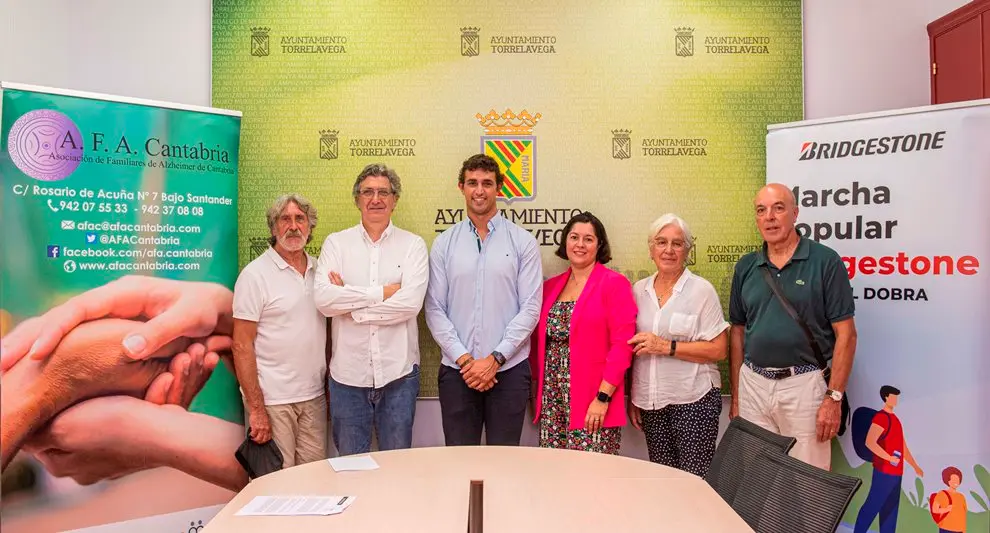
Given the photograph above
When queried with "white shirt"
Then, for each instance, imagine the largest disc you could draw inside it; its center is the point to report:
(374, 342)
(693, 313)
(292, 334)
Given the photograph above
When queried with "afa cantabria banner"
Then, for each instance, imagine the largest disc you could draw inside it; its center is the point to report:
(902, 197)
(626, 109)
(117, 263)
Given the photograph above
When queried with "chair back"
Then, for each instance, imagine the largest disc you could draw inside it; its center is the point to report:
(740, 445)
(781, 493)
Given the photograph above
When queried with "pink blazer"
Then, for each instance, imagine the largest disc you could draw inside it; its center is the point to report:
(604, 318)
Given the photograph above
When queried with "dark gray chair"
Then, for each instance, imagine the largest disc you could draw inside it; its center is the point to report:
(740, 445)
(781, 494)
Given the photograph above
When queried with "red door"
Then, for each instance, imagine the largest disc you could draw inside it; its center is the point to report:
(960, 54)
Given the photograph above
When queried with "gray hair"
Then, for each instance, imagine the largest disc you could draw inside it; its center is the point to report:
(279, 206)
(381, 171)
(666, 220)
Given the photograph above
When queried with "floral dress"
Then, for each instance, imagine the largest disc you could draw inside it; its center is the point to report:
(556, 407)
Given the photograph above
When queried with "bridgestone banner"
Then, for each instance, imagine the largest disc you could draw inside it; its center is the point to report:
(902, 197)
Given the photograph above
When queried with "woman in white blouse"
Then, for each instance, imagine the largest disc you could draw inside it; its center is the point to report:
(681, 335)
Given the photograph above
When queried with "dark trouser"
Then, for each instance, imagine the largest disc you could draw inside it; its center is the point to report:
(683, 435)
(883, 500)
(500, 410)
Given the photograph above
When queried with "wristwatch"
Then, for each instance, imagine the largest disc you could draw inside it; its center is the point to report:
(673, 348)
(604, 398)
(834, 395)
(499, 358)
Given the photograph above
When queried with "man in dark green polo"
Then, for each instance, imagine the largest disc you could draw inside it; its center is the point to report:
(775, 377)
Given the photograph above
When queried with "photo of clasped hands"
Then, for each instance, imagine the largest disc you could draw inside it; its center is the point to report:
(98, 387)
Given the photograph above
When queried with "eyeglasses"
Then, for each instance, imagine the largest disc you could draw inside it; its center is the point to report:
(385, 194)
(677, 245)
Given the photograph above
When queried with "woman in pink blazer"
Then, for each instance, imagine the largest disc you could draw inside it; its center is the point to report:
(581, 351)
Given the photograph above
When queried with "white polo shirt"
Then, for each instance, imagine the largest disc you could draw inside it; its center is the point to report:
(374, 341)
(292, 333)
(693, 313)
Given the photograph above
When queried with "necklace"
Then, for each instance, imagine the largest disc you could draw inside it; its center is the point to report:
(664, 293)
(572, 289)
(578, 284)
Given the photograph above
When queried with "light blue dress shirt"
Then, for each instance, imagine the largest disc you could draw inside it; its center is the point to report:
(484, 296)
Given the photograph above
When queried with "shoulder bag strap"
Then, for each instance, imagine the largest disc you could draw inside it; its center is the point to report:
(794, 314)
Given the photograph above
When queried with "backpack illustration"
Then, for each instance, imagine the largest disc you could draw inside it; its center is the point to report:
(937, 517)
(862, 419)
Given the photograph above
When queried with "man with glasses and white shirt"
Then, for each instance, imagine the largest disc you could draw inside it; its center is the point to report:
(371, 280)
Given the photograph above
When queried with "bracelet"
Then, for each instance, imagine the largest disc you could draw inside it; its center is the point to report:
(673, 348)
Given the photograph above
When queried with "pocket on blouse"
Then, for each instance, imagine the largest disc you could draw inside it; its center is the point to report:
(683, 324)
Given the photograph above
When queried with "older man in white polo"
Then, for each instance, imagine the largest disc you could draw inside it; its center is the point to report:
(280, 339)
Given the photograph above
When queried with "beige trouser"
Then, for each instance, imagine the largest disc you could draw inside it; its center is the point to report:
(299, 430)
(788, 407)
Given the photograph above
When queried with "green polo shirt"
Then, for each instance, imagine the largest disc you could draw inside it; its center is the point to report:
(816, 283)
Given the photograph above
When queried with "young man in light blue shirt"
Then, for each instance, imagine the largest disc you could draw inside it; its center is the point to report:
(482, 304)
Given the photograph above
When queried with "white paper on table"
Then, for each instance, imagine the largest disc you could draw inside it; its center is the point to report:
(295, 505)
(353, 462)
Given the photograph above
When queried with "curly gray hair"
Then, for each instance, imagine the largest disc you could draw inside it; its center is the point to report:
(381, 171)
(281, 203)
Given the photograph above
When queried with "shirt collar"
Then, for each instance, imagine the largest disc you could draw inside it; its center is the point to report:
(800, 253)
(491, 223)
(388, 231)
(678, 286)
(282, 264)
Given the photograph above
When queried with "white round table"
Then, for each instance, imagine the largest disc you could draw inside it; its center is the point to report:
(525, 489)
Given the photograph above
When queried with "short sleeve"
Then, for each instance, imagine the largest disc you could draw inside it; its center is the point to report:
(882, 421)
(942, 499)
(839, 302)
(711, 316)
(249, 296)
(737, 310)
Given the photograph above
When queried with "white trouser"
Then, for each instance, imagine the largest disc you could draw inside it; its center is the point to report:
(788, 407)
